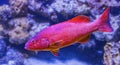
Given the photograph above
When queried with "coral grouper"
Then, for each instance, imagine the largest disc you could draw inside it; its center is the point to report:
(77, 29)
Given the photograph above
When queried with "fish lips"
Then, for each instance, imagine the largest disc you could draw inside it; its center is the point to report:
(27, 47)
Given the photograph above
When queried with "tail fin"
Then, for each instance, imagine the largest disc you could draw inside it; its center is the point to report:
(103, 20)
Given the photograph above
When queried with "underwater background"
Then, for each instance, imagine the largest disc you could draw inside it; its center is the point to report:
(20, 20)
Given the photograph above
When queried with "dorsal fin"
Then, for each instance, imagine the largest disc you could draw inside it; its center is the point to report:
(80, 18)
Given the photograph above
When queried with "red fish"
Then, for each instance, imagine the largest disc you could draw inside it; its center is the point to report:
(77, 29)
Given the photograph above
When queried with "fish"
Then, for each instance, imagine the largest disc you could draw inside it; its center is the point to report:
(75, 30)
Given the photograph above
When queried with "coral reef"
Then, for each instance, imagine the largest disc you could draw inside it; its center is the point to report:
(38, 6)
(23, 29)
(70, 8)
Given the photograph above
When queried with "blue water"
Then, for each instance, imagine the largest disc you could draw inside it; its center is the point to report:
(4, 2)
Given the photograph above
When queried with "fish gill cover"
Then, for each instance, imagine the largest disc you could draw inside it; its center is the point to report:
(20, 20)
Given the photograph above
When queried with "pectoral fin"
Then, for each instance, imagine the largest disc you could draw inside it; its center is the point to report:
(55, 52)
(56, 44)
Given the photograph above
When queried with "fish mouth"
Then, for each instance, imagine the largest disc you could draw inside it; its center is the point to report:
(26, 48)
(29, 49)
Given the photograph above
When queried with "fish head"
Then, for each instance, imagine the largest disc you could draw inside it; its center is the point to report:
(37, 44)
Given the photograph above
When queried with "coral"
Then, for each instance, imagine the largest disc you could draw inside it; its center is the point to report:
(44, 10)
(19, 34)
(23, 28)
(103, 2)
(5, 13)
(103, 36)
(112, 50)
(49, 12)
(37, 27)
(22, 22)
(68, 8)
(111, 3)
(115, 21)
(112, 53)
(19, 7)
(64, 7)
(34, 5)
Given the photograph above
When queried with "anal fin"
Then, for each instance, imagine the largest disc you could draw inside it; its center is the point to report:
(55, 52)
